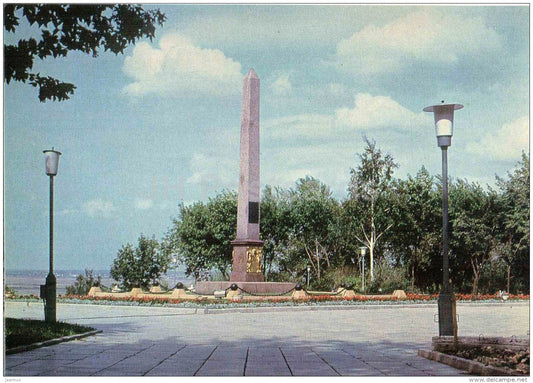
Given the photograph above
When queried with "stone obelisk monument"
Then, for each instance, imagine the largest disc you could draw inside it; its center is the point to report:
(247, 254)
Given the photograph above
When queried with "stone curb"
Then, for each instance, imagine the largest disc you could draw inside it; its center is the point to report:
(50, 342)
(470, 366)
(303, 308)
(208, 310)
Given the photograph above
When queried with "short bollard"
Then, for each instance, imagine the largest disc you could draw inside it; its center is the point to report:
(179, 293)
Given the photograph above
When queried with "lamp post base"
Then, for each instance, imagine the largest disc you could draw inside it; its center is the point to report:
(50, 306)
(447, 313)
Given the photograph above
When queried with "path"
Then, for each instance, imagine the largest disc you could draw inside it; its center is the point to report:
(185, 342)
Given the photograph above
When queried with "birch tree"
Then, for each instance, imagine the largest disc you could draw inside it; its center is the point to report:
(369, 184)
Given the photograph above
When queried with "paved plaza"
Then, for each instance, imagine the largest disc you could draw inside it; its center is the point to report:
(349, 341)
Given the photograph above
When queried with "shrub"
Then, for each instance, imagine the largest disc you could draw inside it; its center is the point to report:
(141, 266)
(83, 284)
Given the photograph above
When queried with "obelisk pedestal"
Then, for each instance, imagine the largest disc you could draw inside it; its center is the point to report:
(247, 247)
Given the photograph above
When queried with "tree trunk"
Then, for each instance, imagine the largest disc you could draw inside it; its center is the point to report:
(317, 254)
(371, 248)
(477, 272)
(508, 279)
(413, 277)
(475, 286)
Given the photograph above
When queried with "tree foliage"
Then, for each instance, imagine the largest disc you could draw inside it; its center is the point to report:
(515, 197)
(276, 223)
(83, 283)
(473, 229)
(200, 238)
(369, 184)
(314, 214)
(63, 28)
(415, 236)
(141, 266)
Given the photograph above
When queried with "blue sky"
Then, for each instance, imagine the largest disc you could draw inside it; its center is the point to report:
(160, 124)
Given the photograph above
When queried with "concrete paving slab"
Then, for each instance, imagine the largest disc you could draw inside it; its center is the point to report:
(237, 354)
(275, 369)
(201, 352)
(221, 368)
(312, 369)
(69, 371)
(173, 344)
(176, 368)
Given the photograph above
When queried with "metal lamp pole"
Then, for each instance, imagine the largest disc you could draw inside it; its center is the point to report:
(52, 163)
(443, 114)
(362, 249)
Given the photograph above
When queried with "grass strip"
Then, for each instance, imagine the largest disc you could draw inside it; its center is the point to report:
(21, 332)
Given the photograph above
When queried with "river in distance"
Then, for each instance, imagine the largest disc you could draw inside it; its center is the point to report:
(27, 282)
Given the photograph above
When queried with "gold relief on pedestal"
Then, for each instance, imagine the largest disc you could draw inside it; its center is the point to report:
(254, 256)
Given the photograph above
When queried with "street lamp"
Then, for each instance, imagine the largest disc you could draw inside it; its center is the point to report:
(308, 275)
(443, 114)
(362, 249)
(52, 163)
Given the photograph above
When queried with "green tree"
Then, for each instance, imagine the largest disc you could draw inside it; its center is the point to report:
(64, 28)
(515, 226)
(142, 266)
(367, 190)
(416, 235)
(314, 214)
(276, 224)
(474, 215)
(83, 283)
(200, 238)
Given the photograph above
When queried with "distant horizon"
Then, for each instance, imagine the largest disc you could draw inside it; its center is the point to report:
(63, 270)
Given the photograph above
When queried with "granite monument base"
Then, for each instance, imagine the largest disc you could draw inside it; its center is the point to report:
(208, 288)
(247, 260)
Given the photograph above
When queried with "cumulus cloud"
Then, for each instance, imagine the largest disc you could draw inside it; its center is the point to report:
(299, 126)
(179, 66)
(368, 113)
(429, 35)
(98, 208)
(208, 169)
(376, 112)
(281, 86)
(143, 204)
(507, 143)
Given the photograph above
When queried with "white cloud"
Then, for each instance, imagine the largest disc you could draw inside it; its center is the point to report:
(210, 169)
(98, 207)
(375, 112)
(507, 143)
(299, 126)
(368, 113)
(281, 86)
(143, 204)
(179, 66)
(429, 35)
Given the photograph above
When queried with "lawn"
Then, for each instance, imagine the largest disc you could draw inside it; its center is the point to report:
(20, 332)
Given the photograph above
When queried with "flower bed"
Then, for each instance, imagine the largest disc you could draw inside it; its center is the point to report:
(517, 361)
(262, 301)
(258, 301)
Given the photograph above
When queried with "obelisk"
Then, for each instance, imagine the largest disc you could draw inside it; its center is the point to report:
(247, 247)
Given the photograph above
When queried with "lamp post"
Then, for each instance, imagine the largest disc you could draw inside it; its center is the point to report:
(362, 249)
(443, 114)
(308, 275)
(52, 163)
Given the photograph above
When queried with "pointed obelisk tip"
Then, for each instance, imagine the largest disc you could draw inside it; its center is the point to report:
(251, 74)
